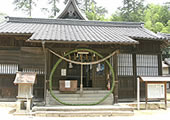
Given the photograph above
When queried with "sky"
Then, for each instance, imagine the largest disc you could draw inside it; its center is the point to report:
(7, 7)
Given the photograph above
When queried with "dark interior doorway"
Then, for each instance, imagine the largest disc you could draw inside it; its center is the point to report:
(74, 73)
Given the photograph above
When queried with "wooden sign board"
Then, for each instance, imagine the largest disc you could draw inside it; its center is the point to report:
(156, 90)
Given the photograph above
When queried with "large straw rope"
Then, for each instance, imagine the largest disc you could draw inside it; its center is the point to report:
(85, 63)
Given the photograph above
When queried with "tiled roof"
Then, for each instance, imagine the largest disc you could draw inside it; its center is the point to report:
(167, 35)
(62, 30)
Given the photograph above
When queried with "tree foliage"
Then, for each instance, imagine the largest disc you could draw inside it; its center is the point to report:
(84, 5)
(132, 10)
(52, 12)
(2, 17)
(90, 8)
(95, 13)
(24, 5)
(157, 17)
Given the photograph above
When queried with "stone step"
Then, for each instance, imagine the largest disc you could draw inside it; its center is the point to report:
(82, 98)
(88, 97)
(85, 92)
(81, 102)
(82, 113)
(52, 101)
(78, 95)
(84, 108)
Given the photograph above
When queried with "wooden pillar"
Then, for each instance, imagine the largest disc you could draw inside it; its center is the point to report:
(45, 70)
(146, 95)
(165, 83)
(115, 92)
(134, 74)
(160, 64)
(94, 76)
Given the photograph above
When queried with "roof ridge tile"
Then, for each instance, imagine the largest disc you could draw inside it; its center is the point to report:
(72, 22)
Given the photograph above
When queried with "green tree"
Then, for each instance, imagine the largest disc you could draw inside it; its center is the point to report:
(116, 16)
(156, 18)
(24, 5)
(96, 13)
(84, 5)
(2, 17)
(132, 10)
(167, 28)
(90, 8)
(158, 27)
(54, 9)
(77, 1)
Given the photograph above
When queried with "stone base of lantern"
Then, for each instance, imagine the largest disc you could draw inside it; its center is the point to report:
(21, 106)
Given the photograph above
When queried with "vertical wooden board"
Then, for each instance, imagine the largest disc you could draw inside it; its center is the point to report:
(38, 88)
(126, 87)
(8, 89)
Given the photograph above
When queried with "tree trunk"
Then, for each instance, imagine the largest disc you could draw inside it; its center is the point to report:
(54, 8)
(30, 7)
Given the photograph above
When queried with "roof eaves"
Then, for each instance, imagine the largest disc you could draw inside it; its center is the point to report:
(15, 33)
(148, 38)
(87, 42)
(156, 36)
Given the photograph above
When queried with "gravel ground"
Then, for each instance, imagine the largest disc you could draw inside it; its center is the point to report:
(139, 115)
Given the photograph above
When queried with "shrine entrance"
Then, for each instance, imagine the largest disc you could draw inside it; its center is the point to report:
(87, 64)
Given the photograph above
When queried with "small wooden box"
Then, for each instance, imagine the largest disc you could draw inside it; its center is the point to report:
(68, 86)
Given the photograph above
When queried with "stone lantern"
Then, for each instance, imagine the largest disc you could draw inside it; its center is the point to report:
(25, 81)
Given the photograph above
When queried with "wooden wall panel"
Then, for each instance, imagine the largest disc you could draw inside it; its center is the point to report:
(8, 56)
(126, 87)
(32, 56)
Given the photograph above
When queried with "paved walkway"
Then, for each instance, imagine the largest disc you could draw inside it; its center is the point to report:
(139, 115)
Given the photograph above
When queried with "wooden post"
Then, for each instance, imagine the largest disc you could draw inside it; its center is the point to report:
(146, 95)
(159, 64)
(165, 95)
(81, 82)
(115, 92)
(134, 74)
(138, 93)
(93, 76)
(45, 71)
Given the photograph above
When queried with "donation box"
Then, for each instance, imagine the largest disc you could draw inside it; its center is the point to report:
(68, 85)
